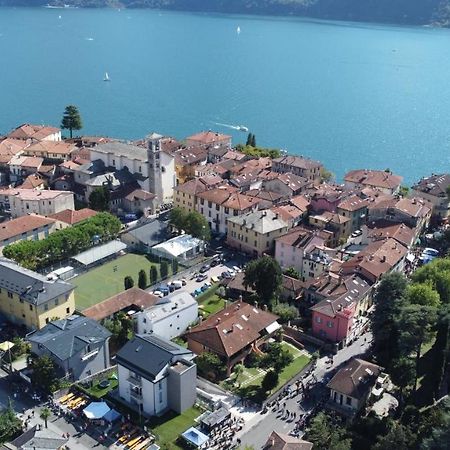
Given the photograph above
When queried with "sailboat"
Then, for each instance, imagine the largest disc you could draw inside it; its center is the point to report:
(106, 78)
(238, 30)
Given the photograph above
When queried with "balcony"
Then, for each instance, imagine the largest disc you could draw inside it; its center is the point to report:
(136, 393)
(134, 381)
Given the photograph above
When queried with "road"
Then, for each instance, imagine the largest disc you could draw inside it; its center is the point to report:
(258, 428)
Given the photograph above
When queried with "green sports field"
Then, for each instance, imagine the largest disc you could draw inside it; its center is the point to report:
(107, 280)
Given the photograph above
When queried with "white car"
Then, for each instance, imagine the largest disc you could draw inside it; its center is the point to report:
(232, 272)
(158, 294)
(237, 269)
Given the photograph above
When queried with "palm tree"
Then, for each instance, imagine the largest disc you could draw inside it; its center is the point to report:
(45, 414)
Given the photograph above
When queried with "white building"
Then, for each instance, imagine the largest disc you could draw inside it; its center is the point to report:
(32, 201)
(153, 168)
(156, 375)
(169, 317)
(180, 247)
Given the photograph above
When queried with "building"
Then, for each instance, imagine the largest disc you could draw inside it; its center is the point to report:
(143, 237)
(336, 318)
(57, 151)
(279, 441)
(217, 205)
(140, 202)
(290, 249)
(31, 201)
(376, 259)
(34, 439)
(291, 288)
(169, 316)
(435, 189)
(290, 214)
(233, 333)
(355, 208)
(255, 233)
(382, 230)
(156, 375)
(36, 133)
(185, 195)
(339, 225)
(153, 168)
(352, 385)
(186, 159)
(299, 165)
(384, 180)
(30, 299)
(72, 217)
(130, 301)
(286, 184)
(210, 140)
(180, 247)
(31, 227)
(21, 166)
(78, 346)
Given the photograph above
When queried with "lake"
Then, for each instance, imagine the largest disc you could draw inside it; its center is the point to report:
(351, 95)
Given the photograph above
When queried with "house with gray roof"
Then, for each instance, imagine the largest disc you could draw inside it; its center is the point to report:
(37, 439)
(144, 236)
(156, 375)
(77, 345)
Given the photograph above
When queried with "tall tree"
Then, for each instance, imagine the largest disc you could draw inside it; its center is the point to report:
(399, 437)
(71, 119)
(164, 269)
(44, 374)
(253, 141)
(128, 282)
(10, 424)
(177, 218)
(389, 299)
(249, 139)
(153, 274)
(264, 276)
(142, 280)
(175, 266)
(99, 199)
(269, 381)
(325, 434)
(197, 226)
(45, 415)
(422, 294)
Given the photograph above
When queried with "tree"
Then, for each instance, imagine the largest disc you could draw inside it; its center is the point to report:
(292, 272)
(399, 437)
(177, 218)
(326, 434)
(175, 266)
(404, 190)
(10, 424)
(285, 311)
(238, 370)
(99, 199)
(389, 299)
(153, 274)
(142, 280)
(253, 141)
(264, 276)
(403, 373)
(164, 269)
(326, 175)
(422, 294)
(249, 139)
(45, 415)
(416, 325)
(277, 357)
(209, 365)
(269, 381)
(197, 226)
(128, 282)
(44, 374)
(71, 119)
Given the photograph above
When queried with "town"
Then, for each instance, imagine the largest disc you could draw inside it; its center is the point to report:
(196, 293)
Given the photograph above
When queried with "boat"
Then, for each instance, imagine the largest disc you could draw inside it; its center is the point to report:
(238, 30)
(106, 78)
(242, 128)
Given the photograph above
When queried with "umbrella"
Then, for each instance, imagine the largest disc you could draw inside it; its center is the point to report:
(113, 376)
(111, 416)
(5, 346)
(96, 410)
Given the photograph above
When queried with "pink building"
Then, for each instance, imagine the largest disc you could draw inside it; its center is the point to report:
(336, 317)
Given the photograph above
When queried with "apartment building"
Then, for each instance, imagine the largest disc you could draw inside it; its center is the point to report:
(299, 165)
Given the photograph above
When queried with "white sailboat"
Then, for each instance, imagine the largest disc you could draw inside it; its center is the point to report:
(238, 30)
(106, 78)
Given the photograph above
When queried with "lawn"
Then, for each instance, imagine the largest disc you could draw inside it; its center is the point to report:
(106, 280)
(211, 304)
(168, 428)
(97, 392)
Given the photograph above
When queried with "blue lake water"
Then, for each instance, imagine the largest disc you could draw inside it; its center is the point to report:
(351, 95)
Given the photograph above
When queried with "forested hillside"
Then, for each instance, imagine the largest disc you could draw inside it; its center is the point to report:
(419, 12)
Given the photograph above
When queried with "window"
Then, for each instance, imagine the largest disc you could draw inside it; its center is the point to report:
(330, 324)
(57, 302)
(46, 307)
(31, 307)
(49, 202)
(144, 320)
(47, 320)
(10, 295)
(140, 169)
(319, 319)
(349, 401)
(160, 397)
(114, 162)
(227, 210)
(209, 204)
(67, 310)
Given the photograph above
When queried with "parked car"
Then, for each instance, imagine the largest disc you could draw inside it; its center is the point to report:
(198, 291)
(177, 284)
(226, 274)
(183, 281)
(214, 262)
(158, 294)
(237, 269)
(205, 268)
(164, 289)
(232, 273)
(356, 233)
(431, 251)
(201, 278)
(194, 276)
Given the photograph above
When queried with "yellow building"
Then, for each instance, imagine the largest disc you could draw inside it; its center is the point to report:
(30, 299)
(255, 233)
(185, 195)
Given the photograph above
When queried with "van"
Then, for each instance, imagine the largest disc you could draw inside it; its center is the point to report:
(177, 284)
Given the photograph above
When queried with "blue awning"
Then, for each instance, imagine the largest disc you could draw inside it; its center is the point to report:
(195, 437)
(96, 410)
(112, 415)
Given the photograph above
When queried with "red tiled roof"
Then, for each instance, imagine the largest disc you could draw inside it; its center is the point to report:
(208, 137)
(74, 216)
(23, 224)
(375, 178)
(131, 297)
(27, 131)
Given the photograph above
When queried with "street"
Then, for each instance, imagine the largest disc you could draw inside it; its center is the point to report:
(258, 428)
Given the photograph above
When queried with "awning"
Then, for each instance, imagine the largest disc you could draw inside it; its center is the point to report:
(96, 410)
(5, 346)
(274, 326)
(195, 437)
(112, 415)
(410, 257)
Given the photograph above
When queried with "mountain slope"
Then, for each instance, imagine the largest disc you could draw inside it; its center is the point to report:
(418, 12)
